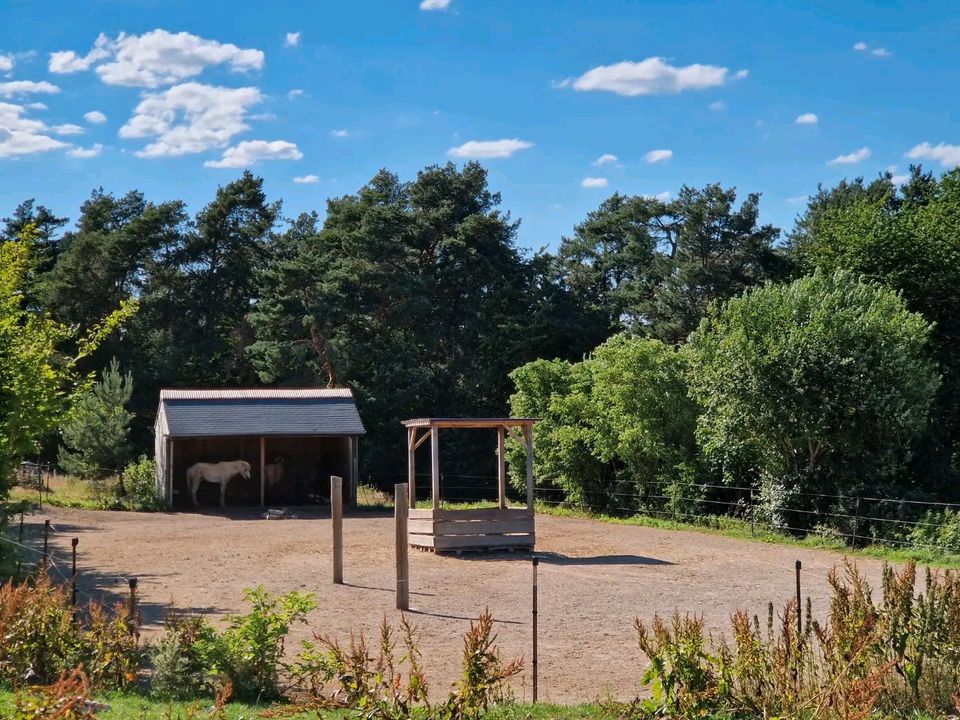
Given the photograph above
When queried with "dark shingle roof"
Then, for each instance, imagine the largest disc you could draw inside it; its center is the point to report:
(204, 413)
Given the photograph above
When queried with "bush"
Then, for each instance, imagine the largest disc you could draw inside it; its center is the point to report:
(66, 699)
(180, 665)
(822, 386)
(937, 530)
(140, 482)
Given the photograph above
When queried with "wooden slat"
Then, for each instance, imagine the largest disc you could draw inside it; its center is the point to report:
(468, 422)
(481, 527)
(482, 514)
(421, 513)
(453, 542)
(420, 526)
(421, 540)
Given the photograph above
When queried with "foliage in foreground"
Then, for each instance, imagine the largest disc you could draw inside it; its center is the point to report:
(895, 657)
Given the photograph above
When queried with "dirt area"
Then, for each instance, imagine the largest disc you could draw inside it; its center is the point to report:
(594, 579)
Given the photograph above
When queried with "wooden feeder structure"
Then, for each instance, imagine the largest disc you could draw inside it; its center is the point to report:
(443, 530)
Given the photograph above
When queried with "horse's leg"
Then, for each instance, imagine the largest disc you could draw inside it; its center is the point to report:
(223, 492)
(194, 484)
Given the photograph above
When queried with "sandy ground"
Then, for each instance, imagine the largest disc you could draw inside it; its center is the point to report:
(595, 578)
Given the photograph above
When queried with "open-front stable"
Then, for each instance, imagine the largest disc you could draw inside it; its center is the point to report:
(444, 530)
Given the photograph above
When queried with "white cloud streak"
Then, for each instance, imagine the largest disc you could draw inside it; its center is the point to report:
(190, 118)
(23, 136)
(485, 149)
(656, 156)
(155, 58)
(606, 159)
(6, 63)
(946, 155)
(307, 179)
(807, 119)
(68, 129)
(89, 152)
(292, 39)
(250, 152)
(851, 158)
(27, 87)
(593, 182)
(95, 117)
(860, 46)
(717, 105)
(434, 4)
(653, 76)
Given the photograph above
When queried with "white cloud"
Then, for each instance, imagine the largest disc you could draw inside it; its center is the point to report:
(190, 118)
(947, 155)
(894, 178)
(292, 39)
(295, 93)
(89, 152)
(67, 61)
(741, 74)
(807, 119)
(797, 199)
(661, 196)
(250, 152)
(26, 87)
(306, 179)
(95, 117)
(68, 129)
(851, 158)
(6, 63)
(36, 106)
(23, 136)
(880, 52)
(652, 76)
(606, 159)
(155, 58)
(655, 156)
(593, 182)
(434, 4)
(860, 46)
(489, 148)
(263, 116)
(340, 133)
(718, 105)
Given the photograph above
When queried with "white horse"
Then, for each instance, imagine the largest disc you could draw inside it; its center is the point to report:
(221, 472)
(274, 472)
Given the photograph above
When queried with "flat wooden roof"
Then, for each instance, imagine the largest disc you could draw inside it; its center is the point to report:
(449, 422)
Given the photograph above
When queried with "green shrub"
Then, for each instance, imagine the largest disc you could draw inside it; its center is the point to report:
(140, 482)
(180, 665)
(939, 530)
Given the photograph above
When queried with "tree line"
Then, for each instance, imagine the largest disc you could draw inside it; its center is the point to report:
(416, 295)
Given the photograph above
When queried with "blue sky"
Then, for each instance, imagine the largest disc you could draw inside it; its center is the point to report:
(190, 93)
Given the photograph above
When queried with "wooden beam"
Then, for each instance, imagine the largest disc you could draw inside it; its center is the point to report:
(502, 466)
(401, 504)
(422, 440)
(516, 434)
(354, 445)
(412, 464)
(435, 466)
(263, 470)
(528, 438)
(336, 515)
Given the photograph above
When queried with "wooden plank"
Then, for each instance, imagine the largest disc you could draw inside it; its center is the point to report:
(263, 470)
(482, 527)
(401, 505)
(424, 541)
(435, 466)
(416, 525)
(411, 465)
(502, 467)
(482, 514)
(336, 513)
(421, 513)
(454, 542)
(421, 440)
(468, 422)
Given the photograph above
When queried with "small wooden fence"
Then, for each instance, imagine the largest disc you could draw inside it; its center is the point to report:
(456, 530)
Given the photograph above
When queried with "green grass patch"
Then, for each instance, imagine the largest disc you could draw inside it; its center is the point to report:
(741, 530)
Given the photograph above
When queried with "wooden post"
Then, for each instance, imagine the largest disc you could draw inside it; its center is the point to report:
(411, 465)
(132, 606)
(73, 576)
(528, 441)
(336, 513)
(536, 562)
(435, 465)
(170, 474)
(401, 511)
(263, 470)
(502, 466)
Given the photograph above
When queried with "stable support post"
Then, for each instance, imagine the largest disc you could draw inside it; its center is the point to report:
(263, 470)
(435, 465)
(412, 464)
(336, 513)
(536, 562)
(401, 511)
(502, 466)
(528, 442)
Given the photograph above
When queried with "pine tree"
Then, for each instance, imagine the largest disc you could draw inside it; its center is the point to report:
(95, 440)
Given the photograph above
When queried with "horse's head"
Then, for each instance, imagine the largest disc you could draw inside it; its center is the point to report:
(245, 470)
(278, 460)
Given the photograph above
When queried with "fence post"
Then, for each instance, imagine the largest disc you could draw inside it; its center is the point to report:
(19, 549)
(753, 513)
(799, 607)
(401, 504)
(73, 573)
(132, 605)
(46, 543)
(856, 521)
(536, 562)
(336, 513)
